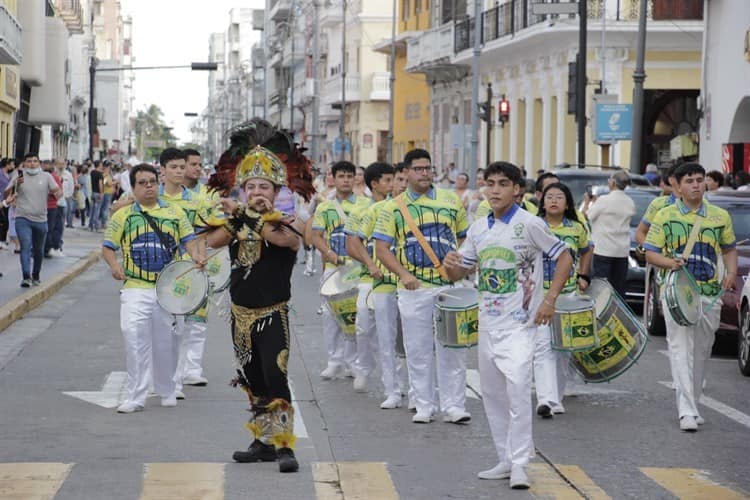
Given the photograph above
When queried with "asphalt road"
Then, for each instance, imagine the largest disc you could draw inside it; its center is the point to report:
(617, 440)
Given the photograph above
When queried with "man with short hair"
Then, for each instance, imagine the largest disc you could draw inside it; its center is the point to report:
(32, 186)
(69, 188)
(55, 215)
(97, 194)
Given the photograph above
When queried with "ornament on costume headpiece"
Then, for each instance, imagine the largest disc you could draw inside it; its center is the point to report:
(261, 163)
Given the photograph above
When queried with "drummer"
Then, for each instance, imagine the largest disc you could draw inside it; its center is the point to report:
(508, 246)
(440, 216)
(657, 204)
(329, 238)
(359, 246)
(668, 235)
(550, 375)
(148, 232)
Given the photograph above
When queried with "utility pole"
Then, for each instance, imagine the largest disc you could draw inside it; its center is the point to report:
(343, 81)
(489, 123)
(474, 161)
(292, 21)
(639, 75)
(581, 82)
(392, 80)
(315, 149)
(92, 109)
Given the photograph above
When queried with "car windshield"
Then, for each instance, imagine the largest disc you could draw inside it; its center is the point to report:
(741, 222)
(577, 181)
(641, 200)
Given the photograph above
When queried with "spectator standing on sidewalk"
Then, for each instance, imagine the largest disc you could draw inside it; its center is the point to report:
(108, 193)
(55, 215)
(97, 191)
(6, 167)
(610, 229)
(84, 193)
(69, 188)
(32, 187)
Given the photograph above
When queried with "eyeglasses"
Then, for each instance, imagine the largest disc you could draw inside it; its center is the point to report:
(422, 170)
(152, 182)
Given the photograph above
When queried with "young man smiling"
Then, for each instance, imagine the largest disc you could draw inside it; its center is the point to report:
(508, 246)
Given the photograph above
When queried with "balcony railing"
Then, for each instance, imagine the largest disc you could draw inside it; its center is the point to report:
(71, 12)
(10, 38)
(432, 46)
(332, 94)
(331, 14)
(279, 9)
(381, 86)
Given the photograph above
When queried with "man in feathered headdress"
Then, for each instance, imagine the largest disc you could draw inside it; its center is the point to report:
(263, 246)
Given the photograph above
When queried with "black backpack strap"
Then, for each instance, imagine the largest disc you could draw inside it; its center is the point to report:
(160, 234)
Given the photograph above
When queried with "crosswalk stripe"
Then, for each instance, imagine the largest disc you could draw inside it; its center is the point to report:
(547, 483)
(32, 481)
(690, 484)
(178, 481)
(583, 482)
(352, 481)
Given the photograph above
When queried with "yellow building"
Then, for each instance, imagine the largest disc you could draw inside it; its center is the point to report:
(10, 79)
(411, 93)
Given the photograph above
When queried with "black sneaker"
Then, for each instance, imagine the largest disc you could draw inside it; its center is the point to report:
(26, 283)
(287, 461)
(544, 411)
(256, 452)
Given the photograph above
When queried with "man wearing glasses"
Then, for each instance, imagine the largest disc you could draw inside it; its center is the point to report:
(440, 216)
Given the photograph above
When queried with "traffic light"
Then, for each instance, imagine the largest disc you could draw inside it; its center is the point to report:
(503, 111)
(485, 111)
(572, 86)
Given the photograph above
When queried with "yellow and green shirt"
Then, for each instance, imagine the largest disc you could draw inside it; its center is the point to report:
(366, 228)
(657, 204)
(143, 252)
(670, 230)
(352, 227)
(327, 219)
(195, 207)
(576, 237)
(441, 218)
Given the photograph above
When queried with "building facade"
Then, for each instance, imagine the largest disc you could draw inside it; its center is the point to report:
(10, 59)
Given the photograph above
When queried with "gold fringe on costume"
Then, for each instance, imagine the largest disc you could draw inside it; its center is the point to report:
(245, 320)
(274, 424)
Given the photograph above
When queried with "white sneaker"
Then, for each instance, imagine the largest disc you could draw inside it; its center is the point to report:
(422, 418)
(360, 383)
(500, 471)
(700, 420)
(392, 402)
(688, 424)
(129, 407)
(179, 395)
(348, 373)
(332, 371)
(60, 253)
(457, 417)
(518, 478)
(558, 409)
(412, 406)
(169, 402)
(194, 380)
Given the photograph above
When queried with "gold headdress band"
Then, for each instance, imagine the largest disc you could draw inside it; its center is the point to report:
(260, 163)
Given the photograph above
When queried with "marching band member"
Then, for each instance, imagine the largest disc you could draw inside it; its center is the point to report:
(557, 209)
(329, 238)
(439, 215)
(263, 246)
(668, 236)
(508, 246)
(657, 204)
(148, 232)
(359, 246)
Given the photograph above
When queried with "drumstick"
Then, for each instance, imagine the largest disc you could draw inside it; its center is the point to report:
(214, 254)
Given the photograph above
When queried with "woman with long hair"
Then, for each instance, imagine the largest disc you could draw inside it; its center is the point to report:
(557, 208)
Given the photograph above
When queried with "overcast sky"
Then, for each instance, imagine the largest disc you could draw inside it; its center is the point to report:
(170, 32)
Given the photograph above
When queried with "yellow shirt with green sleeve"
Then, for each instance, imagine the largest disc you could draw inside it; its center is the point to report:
(576, 237)
(143, 252)
(353, 228)
(656, 204)
(670, 230)
(387, 284)
(195, 207)
(441, 218)
(327, 219)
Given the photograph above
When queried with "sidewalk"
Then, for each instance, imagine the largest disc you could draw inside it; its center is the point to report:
(81, 248)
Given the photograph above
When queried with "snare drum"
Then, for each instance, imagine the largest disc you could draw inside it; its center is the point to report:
(181, 288)
(457, 317)
(622, 337)
(340, 291)
(573, 327)
(219, 270)
(682, 297)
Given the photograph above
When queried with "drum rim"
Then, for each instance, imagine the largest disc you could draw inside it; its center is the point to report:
(624, 369)
(204, 278)
(673, 305)
(339, 269)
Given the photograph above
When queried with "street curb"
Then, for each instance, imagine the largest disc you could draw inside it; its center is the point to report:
(23, 304)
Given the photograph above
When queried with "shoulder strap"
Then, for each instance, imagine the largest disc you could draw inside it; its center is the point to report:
(160, 234)
(339, 210)
(420, 238)
(692, 238)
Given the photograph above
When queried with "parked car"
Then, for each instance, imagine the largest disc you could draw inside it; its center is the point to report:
(737, 203)
(578, 179)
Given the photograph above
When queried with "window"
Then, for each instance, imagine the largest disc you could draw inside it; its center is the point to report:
(405, 10)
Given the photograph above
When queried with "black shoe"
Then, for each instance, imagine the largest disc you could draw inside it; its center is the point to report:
(256, 452)
(544, 411)
(287, 461)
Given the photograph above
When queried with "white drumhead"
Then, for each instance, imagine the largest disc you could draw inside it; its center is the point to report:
(688, 296)
(461, 298)
(572, 302)
(342, 279)
(600, 292)
(181, 288)
(219, 269)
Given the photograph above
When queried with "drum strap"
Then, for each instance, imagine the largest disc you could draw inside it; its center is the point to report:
(692, 238)
(339, 210)
(420, 238)
(162, 237)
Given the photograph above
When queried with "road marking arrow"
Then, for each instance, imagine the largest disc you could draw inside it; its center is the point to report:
(114, 391)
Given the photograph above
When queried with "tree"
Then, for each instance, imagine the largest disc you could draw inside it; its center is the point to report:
(152, 132)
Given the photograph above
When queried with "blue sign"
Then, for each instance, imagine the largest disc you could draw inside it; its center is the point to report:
(336, 146)
(614, 122)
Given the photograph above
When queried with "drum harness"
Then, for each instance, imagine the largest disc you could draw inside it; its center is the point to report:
(420, 238)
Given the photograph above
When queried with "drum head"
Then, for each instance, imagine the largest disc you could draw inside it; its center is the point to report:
(457, 299)
(181, 288)
(219, 270)
(687, 296)
(342, 279)
(601, 292)
(370, 300)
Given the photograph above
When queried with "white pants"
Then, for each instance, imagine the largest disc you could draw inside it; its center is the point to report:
(417, 319)
(190, 356)
(505, 366)
(545, 368)
(150, 344)
(689, 348)
(342, 351)
(386, 325)
(367, 340)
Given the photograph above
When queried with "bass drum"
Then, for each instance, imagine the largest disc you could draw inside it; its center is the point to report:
(622, 337)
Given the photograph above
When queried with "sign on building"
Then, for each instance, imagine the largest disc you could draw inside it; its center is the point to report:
(612, 121)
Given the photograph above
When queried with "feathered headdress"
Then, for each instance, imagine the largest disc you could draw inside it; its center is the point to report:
(258, 132)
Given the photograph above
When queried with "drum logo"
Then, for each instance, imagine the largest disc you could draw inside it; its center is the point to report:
(214, 266)
(468, 327)
(181, 288)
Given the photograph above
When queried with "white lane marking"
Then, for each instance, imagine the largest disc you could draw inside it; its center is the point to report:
(299, 424)
(726, 410)
(114, 391)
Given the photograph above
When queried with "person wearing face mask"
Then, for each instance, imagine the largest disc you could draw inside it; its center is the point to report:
(32, 186)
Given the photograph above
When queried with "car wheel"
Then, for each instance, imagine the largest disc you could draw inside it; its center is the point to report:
(653, 314)
(743, 341)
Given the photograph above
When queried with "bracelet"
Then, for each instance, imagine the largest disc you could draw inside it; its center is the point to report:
(585, 277)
